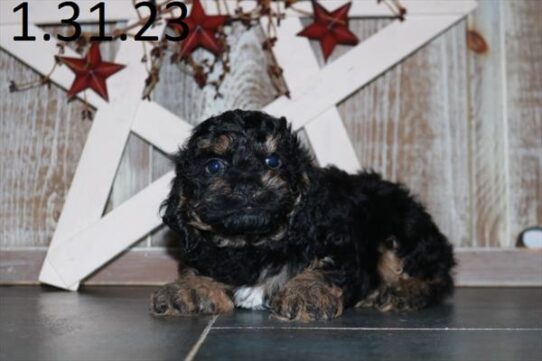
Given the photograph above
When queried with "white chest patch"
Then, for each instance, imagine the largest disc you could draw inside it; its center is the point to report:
(249, 297)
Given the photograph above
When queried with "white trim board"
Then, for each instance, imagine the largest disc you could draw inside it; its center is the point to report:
(477, 267)
(85, 240)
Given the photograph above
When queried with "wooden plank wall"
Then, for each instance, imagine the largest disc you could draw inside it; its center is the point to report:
(462, 129)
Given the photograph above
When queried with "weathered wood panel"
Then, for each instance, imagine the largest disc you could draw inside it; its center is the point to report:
(462, 129)
(487, 128)
(410, 124)
(522, 30)
(41, 139)
(476, 267)
(246, 87)
(133, 175)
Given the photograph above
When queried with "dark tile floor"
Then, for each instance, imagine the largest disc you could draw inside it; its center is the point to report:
(112, 323)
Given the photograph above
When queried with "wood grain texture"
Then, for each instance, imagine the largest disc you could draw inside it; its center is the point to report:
(247, 86)
(462, 129)
(487, 136)
(132, 267)
(410, 124)
(41, 139)
(523, 41)
(476, 267)
(498, 267)
(133, 175)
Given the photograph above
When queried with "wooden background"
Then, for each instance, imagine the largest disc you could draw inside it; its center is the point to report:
(462, 128)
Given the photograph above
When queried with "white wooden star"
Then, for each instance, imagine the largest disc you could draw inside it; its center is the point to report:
(84, 239)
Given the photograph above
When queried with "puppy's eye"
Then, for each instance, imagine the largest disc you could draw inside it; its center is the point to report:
(273, 161)
(214, 166)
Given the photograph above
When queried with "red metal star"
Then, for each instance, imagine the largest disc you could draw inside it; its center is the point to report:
(202, 30)
(90, 72)
(330, 28)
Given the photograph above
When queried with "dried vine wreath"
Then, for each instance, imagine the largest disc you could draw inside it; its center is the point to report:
(207, 32)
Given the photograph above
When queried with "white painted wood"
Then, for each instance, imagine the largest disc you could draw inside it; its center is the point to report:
(489, 152)
(160, 127)
(294, 54)
(359, 66)
(299, 62)
(330, 141)
(522, 66)
(101, 156)
(105, 238)
(327, 135)
(84, 241)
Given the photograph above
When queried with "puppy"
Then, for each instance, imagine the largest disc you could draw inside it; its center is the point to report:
(261, 227)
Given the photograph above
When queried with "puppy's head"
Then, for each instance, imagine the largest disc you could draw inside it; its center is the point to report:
(238, 179)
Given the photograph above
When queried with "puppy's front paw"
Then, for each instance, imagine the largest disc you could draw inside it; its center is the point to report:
(307, 300)
(194, 295)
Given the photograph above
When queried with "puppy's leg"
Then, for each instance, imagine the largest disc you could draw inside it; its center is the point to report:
(307, 297)
(411, 280)
(191, 294)
(412, 258)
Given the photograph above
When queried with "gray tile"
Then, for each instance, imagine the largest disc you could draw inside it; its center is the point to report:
(112, 323)
(96, 324)
(322, 344)
(469, 308)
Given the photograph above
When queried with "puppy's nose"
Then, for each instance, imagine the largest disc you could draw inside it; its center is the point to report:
(246, 191)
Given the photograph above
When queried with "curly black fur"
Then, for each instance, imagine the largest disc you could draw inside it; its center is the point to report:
(248, 224)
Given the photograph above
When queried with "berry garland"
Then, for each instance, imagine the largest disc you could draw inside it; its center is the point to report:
(329, 27)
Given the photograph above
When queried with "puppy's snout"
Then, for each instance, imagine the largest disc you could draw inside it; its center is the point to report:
(246, 191)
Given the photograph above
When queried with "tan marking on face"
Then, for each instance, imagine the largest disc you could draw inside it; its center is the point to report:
(222, 144)
(196, 222)
(271, 144)
(271, 179)
(219, 145)
(219, 184)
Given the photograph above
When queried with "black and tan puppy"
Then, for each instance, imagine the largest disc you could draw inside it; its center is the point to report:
(261, 227)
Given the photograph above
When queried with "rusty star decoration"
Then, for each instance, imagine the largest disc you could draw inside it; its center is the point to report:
(90, 72)
(202, 31)
(330, 28)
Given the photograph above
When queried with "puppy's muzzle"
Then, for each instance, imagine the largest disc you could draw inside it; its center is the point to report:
(250, 221)
(246, 191)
